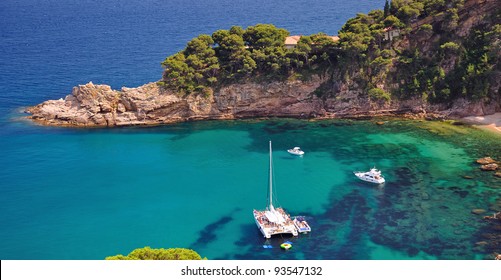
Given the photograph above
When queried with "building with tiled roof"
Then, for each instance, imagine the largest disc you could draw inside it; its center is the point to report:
(291, 41)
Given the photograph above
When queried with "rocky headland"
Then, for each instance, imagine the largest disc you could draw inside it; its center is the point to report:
(417, 74)
(93, 105)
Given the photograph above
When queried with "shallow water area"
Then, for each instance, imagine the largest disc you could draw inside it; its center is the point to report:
(107, 191)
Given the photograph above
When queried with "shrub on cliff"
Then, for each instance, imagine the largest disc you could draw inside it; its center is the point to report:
(449, 47)
(378, 94)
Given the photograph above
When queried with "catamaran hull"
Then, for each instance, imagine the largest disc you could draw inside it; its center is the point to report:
(265, 235)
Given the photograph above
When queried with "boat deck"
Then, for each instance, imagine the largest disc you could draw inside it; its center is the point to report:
(269, 228)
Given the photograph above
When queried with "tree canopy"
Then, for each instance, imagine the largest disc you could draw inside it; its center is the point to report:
(237, 53)
(147, 253)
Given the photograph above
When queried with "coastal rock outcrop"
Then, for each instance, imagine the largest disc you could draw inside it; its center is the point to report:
(485, 160)
(99, 105)
(489, 167)
(488, 164)
(93, 105)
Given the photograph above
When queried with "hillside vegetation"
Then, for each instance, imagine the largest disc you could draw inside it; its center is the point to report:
(444, 51)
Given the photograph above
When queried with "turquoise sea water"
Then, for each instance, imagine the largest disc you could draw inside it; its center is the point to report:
(90, 193)
(86, 194)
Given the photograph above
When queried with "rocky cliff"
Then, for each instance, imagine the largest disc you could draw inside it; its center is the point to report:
(99, 105)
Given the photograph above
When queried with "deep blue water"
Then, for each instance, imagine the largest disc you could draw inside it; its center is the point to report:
(89, 193)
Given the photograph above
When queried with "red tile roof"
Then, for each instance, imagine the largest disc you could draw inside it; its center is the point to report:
(292, 40)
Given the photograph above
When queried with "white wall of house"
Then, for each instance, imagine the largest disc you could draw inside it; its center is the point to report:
(390, 34)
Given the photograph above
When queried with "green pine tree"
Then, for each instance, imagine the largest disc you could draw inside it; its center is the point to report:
(386, 9)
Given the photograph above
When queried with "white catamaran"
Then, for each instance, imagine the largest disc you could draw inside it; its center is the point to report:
(272, 221)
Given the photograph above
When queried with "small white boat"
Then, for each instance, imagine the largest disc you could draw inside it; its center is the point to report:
(301, 225)
(295, 151)
(373, 176)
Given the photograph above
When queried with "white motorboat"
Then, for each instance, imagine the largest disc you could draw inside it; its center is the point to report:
(301, 225)
(295, 151)
(373, 176)
(273, 220)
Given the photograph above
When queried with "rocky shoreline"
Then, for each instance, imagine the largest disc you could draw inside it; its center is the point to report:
(93, 105)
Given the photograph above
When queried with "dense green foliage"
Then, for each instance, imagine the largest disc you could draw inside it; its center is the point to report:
(452, 65)
(386, 11)
(232, 55)
(147, 253)
(471, 64)
(195, 68)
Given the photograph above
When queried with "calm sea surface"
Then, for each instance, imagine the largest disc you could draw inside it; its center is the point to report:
(90, 193)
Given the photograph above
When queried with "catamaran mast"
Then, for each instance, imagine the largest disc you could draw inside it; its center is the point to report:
(271, 182)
